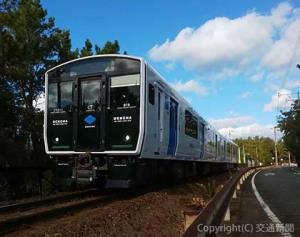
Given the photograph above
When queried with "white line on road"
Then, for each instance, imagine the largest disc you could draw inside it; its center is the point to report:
(266, 208)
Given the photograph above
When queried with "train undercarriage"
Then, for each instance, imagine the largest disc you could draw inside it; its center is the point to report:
(130, 172)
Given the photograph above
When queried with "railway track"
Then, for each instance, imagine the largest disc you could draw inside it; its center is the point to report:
(15, 216)
(21, 206)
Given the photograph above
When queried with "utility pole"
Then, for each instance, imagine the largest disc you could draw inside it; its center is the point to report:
(275, 147)
(289, 154)
(244, 158)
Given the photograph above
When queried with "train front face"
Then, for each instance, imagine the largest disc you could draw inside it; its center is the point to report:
(92, 114)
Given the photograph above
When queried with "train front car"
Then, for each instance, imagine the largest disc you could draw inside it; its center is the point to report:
(93, 114)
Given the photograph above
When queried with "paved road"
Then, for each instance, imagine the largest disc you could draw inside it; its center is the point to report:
(280, 189)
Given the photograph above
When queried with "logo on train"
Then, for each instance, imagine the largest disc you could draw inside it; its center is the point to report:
(90, 119)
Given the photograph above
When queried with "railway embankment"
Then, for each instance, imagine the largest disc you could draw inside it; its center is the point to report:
(159, 212)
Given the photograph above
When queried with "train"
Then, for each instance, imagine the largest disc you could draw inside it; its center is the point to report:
(114, 120)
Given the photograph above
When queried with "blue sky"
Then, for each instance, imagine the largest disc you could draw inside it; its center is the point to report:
(229, 59)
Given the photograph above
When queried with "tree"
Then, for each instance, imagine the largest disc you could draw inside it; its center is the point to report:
(260, 149)
(289, 124)
(30, 44)
(7, 121)
(87, 50)
(109, 48)
(64, 47)
(282, 151)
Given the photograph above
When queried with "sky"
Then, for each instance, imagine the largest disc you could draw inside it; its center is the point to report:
(234, 61)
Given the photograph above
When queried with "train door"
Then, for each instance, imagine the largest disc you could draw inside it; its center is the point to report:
(173, 127)
(90, 117)
(161, 119)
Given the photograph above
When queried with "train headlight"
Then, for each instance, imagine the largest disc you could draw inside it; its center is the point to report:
(127, 138)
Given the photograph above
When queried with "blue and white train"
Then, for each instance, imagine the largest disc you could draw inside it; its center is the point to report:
(113, 119)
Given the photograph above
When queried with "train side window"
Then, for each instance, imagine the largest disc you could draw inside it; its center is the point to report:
(228, 150)
(201, 132)
(216, 143)
(191, 125)
(151, 94)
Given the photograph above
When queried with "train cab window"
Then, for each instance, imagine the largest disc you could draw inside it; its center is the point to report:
(90, 95)
(125, 91)
(191, 125)
(127, 80)
(52, 96)
(66, 95)
(151, 94)
(60, 96)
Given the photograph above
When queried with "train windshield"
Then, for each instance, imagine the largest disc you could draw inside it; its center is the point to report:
(124, 92)
(60, 96)
(90, 95)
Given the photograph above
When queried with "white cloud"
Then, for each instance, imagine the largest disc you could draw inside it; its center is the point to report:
(268, 44)
(170, 66)
(237, 126)
(280, 100)
(232, 121)
(228, 43)
(246, 94)
(190, 86)
(223, 48)
(291, 84)
(279, 79)
(285, 49)
(257, 77)
(250, 130)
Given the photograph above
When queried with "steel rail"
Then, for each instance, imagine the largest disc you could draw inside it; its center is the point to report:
(12, 224)
(23, 206)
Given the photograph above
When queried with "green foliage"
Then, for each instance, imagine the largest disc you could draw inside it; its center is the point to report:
(289, 124)
(30, 44)
(261, 149)
(64, 47)
(109, 48)
(210, 189)
(87, 50)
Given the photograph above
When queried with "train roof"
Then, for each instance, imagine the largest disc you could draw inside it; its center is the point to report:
(97, 56)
